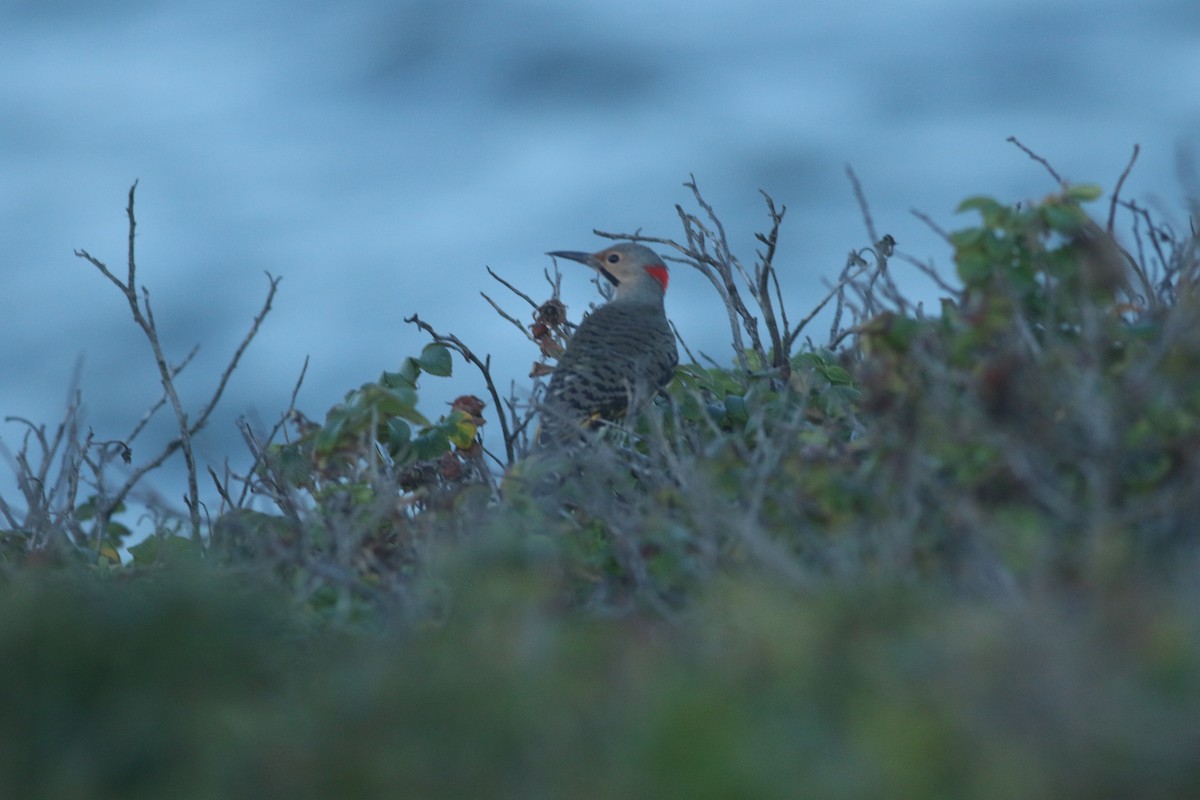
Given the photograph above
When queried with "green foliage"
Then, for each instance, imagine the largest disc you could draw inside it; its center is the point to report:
(353, 496)
(1030, 399)
(165, 548)
(190, 684)
(1031, 259)
(382, 412)
(113, 535)
(951, 556)
(377, 418)
(727, 398)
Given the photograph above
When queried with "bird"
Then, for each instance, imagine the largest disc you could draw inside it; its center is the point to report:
(621, 354)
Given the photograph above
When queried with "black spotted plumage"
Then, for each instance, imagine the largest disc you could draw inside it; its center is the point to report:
(622, 351)
(619, 351)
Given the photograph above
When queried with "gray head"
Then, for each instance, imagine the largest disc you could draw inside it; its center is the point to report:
(636, 272)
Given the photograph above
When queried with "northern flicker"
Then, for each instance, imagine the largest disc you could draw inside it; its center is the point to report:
(622, 352)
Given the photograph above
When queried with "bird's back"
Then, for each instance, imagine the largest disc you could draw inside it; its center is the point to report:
(621, 351)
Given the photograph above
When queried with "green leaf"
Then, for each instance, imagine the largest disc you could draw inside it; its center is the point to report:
(326, 439)
(735, 408)
(394, 401)
(1063, 218)
(459, 429)
(406, 376)
(292, 461)
(87, 509)
(435, 359)
(430, 444)
(836, 375)
(395, 379)
(974, 267)
(981, 203)
(109, 555)
(115, 532)
(1062, 262)
(163, 548)
(899, 334)
(399, 433)
(967, 237)
(1084, 192)
(993, 213)
(690, 407)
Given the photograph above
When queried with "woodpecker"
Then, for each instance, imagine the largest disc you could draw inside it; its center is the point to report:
(622, 352)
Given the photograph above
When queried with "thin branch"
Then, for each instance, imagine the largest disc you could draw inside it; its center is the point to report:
(555, 281)
(1037, 158)
(67, 479)
(678, 338)
(933, 226)
(853, 330)
(512, 288)
(766, 277)
(725, 261)
(1112, 206)
(515, 322)
(280, 425)
(718, 266)
(296, 390)
(164, 372)
(711, 361)
(202, 418)
(863, 207)
(162, 400)
(931, 273)
(1154, 231)
(769, 259)
(846, 279)
(485, 368)
(145, 320)
(221, 490)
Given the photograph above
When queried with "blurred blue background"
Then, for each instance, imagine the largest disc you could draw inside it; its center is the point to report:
(378, 155)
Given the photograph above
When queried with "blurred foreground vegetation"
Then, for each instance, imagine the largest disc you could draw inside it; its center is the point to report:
(946, 553)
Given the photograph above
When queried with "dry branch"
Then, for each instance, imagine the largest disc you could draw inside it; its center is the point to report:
(143, 315)
(485, 368)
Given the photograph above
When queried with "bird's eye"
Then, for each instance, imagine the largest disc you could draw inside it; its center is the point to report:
(614, 258)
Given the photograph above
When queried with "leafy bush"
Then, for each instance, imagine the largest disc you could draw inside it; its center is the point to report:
(188, 685)
(935, 554)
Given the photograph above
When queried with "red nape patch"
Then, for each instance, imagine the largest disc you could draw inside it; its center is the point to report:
(659, 273)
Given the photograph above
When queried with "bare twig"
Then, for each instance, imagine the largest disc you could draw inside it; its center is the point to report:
(863, 207)
(164, 371)
(933, 226)
(1112, 206)
(847, 278)
(162, 400)
(1037, 158)
(1155, 233)
(515, 322)
(707, 250)
(280, 426)
(766, 278)
(930, 272)
(202, 418)
(143, 315)
(221, 490)
(295, 393)
(485, 368)
(683, 344)
(512, 288)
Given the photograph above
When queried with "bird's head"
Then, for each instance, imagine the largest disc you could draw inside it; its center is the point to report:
(635, 271)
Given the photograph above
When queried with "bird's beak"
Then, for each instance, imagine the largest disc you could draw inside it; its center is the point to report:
(590, 260)
(573, 255)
